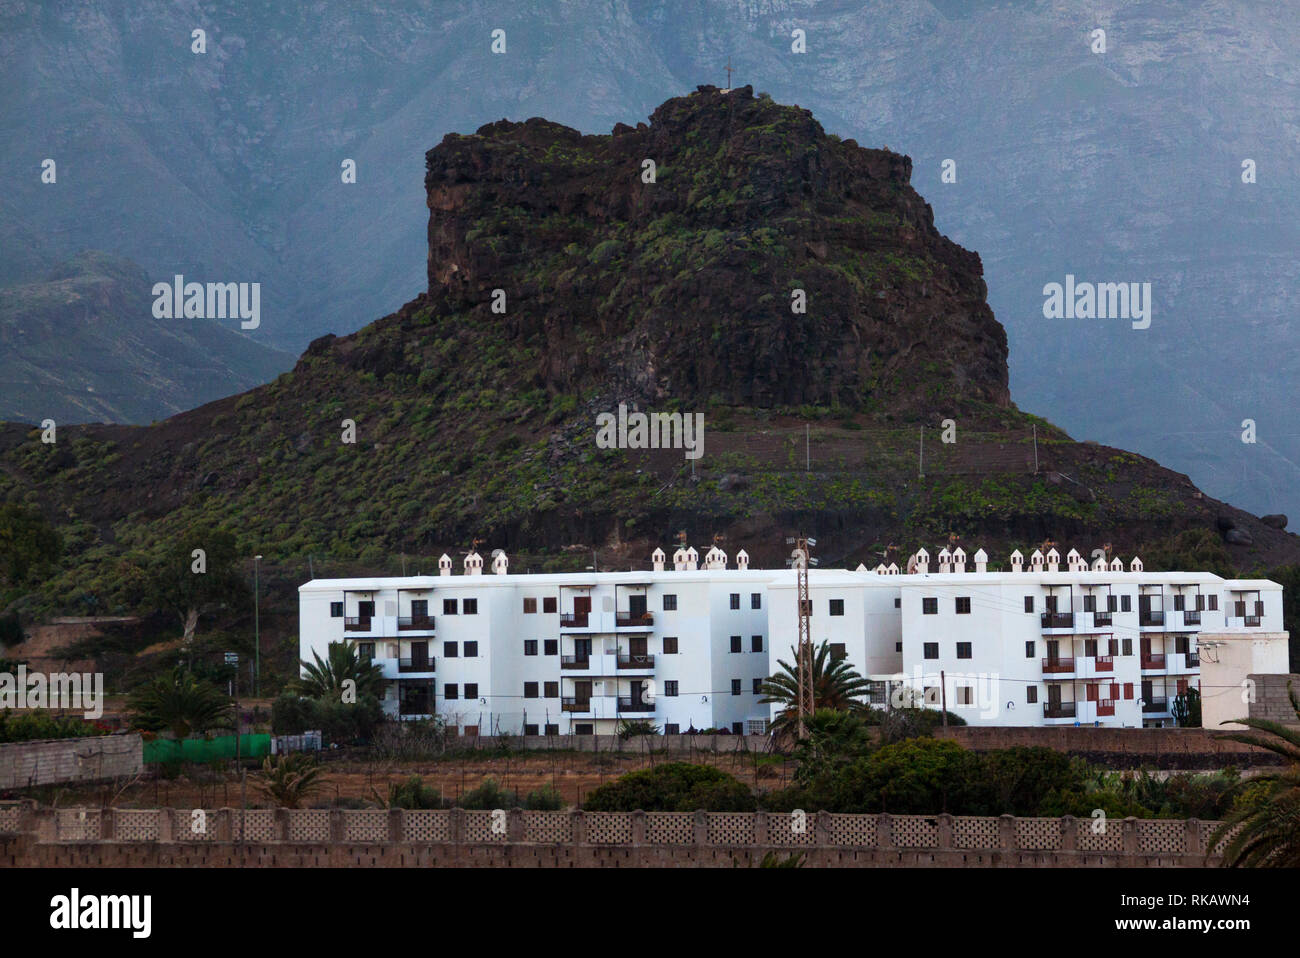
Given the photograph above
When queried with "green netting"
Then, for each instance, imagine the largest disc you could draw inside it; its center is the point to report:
(206, 750)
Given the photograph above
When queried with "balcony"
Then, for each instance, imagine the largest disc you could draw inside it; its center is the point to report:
(356, 624)
(415, 623)
(416, 665)
(1106, 707)
(1151, 617)
(1102, 619)
(1058, 620)
(1192, 618)
(573, 620)
(1155, 705)
(1104, 663)
(636, 661)
(1059, 709)
(575, 661)
(575, 705)
(1058, 665)
(1193, 660)
(634, 705)
(1153, 661)
(629, 620)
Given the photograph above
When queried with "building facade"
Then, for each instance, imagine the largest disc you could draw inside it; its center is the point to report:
(687, 647)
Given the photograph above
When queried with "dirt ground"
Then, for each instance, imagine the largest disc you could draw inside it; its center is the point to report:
(573, 774)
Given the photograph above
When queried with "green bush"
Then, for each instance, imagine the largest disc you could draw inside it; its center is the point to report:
(413, 793)
(672, 787)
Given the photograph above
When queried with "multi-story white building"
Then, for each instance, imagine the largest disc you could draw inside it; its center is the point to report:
(688, 647)
(570, 653)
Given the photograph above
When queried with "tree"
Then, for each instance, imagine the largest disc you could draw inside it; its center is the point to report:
(1263, 831)
(28, 545)
(180, 703)
(190, 586)
(329, 678)
(1186, 708)
(672, 787)
(836, 686)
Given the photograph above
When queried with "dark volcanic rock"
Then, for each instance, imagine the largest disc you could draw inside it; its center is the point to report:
(1277, 521)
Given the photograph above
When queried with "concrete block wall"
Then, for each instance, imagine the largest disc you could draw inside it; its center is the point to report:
(60, 761)
(1271, 699)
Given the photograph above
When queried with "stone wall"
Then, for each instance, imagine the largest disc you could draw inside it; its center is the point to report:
(1271, 699)
(1173, 748)
(79, 837)
(59, 761)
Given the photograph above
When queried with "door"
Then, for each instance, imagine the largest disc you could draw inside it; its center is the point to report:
(366, 609)
(420, 656)
(1054, 655)
(582, 604)
(1148, 691)
(638, 695)
(636, 605)
(582, 692)
(582, 649)
(419, 610)
(636, 649)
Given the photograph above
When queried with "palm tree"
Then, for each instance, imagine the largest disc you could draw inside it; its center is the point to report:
(343, 663)
(180, 703)
(1267, 823)
(836, 686)
(291, 779)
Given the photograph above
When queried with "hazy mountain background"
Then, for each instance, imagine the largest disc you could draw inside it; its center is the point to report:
(1123, 166)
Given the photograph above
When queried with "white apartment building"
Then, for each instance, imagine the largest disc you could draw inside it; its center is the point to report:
(1104, 644)
(574, 653)
(687, 647)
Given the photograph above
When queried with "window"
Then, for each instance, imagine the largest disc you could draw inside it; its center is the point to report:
(449, 650)
(930, 606)
(898, 646)
(1090, 648)
(670, 602)
(448, 606)
(470, 606)
(735, 686)
(1110, 603)
(672, 728)
(963, 605)
(366, 650)
(1180, 602)
(670, 645)
(838, 651)
(1030, 651)
(530, 729)
(737, 728)
(1126, 603)
(670, 688)
(583, 728)
(549, 604)
(471, 690)
(366, 610)
(552, 729)
(735, 600)
(758, 686)
(837, 607)
(1112, 646)
(735, 643)
(1200, 602)
(898, 602)
(551, 646)
(1180, 644)
(530, 606)
(1214, 603)
(1089, 603)
(1127, 646)
(1031, 695)
(530, 690)
(336, 610)
(551, 690)
(756, 643)
(450, 691)
(1128, 690)
(931, 650)
(1029, 603)
(965, 695)
(530, 646)
(963, 650)
(471, 650)
(756, 600)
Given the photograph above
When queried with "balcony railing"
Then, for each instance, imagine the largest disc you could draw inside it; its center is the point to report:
(634, 705)
(416, 665)
(1252, 622)
(1106, 707)
(416, 706)
(575, 661)
(356, 624)
(626, 620)
(573, 620)
(1193, 660)
(575, 705)
(1058, 665)
(1059, 710)
(1153, 661)
(406, 622)
(636, 661)
(1151, 617)
(1104, 663)
(1156, 705)
(1192, 617)
(1058, 620)
(1102, 618)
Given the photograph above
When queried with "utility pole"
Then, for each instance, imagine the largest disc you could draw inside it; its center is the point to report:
(920, 462)
(943, 696)
(257, 631)
(807, 447)
(728, 73)
(807, 703)
(1035, 448)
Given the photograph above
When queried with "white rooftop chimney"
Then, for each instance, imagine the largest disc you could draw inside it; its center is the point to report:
(742, 559)
(444, 565)
(657, 560)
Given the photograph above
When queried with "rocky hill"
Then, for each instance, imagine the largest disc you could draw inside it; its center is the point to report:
(675, 295)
